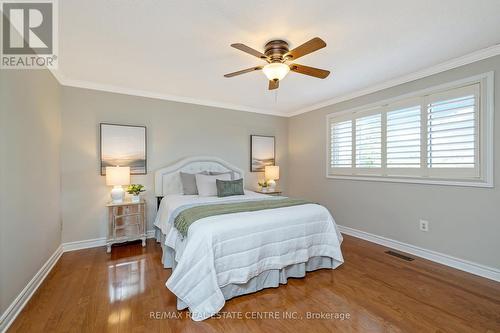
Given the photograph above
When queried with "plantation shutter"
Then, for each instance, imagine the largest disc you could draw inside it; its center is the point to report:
(341, 144)
(435, 137)
(452, 132)
(403, 137)
(369, 141)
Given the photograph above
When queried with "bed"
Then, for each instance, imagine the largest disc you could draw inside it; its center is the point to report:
(229, 255)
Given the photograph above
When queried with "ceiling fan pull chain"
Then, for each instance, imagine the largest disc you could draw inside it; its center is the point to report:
(276, 96)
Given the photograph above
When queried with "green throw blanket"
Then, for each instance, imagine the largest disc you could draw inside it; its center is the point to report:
(193, 214)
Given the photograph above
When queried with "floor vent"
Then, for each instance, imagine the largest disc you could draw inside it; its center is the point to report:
(399, 255)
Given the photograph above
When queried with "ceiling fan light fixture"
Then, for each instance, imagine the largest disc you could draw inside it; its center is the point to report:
(277, 54)
(276, 71)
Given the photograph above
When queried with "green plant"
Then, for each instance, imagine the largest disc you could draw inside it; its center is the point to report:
(135, 189)
(264, 184)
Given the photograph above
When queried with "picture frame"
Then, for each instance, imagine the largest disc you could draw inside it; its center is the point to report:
(262, 152)
(123, 145)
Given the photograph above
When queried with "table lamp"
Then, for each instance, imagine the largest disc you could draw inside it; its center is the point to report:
(272, 173)
(116, 177)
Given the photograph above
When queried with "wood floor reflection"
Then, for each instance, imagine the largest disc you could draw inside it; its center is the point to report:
(91, 291)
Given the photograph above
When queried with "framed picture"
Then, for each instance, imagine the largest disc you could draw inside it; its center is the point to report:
(262, 152)
(123, 145)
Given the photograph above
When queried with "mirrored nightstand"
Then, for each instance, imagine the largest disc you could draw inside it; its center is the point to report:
(126, 222)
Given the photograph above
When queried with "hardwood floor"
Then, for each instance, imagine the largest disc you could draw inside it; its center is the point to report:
(91, 291)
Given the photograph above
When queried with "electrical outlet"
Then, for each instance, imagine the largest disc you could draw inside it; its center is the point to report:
(424, 225)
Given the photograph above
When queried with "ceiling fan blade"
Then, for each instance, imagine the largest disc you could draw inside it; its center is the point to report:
(249, 50)
(306, 48)
(311, 71)
(274, 84)
(243, 71)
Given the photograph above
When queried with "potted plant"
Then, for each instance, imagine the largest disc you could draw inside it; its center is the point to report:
(264, 185)
(135, 190)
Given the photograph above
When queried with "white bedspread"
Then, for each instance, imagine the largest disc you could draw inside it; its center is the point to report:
(233, 248)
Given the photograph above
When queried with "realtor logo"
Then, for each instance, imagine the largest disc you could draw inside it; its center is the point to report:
(29, 34)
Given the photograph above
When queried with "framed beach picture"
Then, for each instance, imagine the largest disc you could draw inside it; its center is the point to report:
(123, 145)
(262, 152)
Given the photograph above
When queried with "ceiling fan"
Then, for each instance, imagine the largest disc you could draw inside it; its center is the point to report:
(279, 59)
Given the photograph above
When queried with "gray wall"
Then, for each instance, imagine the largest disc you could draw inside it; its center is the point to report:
(175, 130)
(30, 130)
(464, 222)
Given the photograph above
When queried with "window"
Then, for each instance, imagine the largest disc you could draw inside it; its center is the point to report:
(450, 133)
(341, 150)
(442, 135)
(403, 138)
(369, 141)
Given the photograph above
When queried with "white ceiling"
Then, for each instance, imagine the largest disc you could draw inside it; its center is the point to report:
(180, 49)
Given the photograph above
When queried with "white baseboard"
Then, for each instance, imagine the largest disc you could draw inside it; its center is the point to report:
(84, 244)
(96, 242)
(444, 259)
(25, 295)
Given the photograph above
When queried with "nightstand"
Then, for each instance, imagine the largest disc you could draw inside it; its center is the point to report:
(275, 192)
(126, 222)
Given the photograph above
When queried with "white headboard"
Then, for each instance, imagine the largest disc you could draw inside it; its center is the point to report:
(168, 179)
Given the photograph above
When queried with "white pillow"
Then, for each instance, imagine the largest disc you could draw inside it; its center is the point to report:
(207, 186)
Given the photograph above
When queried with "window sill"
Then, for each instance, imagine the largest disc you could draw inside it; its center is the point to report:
(425, 181)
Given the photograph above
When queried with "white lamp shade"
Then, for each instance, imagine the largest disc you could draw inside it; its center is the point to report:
(276, 71)
(117, 176)
(272, 172)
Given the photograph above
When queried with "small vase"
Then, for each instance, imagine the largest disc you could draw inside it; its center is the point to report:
(136, 198)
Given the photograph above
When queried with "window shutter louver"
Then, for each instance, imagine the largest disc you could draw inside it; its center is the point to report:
(369, 141)
(341, 144)
(451, 133)
(403, 138)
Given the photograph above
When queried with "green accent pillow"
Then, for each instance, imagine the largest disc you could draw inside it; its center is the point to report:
(226, 188)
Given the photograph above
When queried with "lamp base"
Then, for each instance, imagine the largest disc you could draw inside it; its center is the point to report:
(117, 194)
(271, 185)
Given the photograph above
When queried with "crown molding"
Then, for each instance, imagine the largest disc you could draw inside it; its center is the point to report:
(442, 67)
(65, 81)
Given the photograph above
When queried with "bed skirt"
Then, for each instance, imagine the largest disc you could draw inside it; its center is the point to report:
(267, 279)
